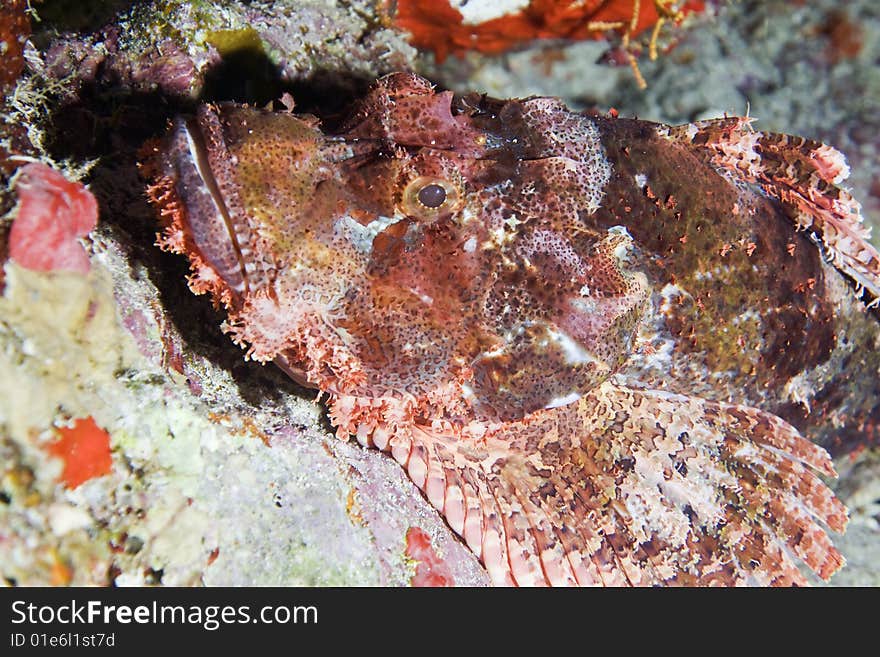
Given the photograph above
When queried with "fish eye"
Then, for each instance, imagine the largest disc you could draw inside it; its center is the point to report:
(430, 195)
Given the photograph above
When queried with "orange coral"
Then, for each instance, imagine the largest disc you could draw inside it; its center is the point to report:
(439, 27)
(85, 450)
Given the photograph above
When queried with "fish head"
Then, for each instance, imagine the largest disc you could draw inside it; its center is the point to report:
(431, 241)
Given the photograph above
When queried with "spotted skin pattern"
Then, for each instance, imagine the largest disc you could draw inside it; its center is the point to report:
(478, 287)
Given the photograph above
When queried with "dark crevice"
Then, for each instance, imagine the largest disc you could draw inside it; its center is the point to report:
(109, 121)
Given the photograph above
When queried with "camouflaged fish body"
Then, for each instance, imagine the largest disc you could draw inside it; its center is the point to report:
(577, 334)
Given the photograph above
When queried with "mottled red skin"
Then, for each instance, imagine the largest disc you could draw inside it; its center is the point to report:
(682, 222)
(572, 331)
(800, 318)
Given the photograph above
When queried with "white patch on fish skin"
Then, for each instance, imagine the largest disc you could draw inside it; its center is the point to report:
(556, 402)
(800, 390)
(574, 353)
(360, 236)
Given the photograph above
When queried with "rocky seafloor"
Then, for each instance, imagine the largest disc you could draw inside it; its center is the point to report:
(223, 471)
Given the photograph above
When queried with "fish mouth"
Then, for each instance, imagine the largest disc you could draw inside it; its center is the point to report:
(195, 159)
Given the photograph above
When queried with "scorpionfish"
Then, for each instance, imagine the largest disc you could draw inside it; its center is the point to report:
(597, 345)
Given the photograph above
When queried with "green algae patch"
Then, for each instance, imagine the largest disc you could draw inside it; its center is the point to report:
(231, 41)
(309, 566)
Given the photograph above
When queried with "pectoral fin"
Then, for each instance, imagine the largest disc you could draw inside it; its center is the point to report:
(632, 487)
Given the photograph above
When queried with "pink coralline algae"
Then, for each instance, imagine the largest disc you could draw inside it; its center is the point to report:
(53, 213)
(431, 570)
(587, 339)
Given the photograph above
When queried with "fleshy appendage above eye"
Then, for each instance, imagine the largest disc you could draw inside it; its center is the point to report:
(429, 196)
